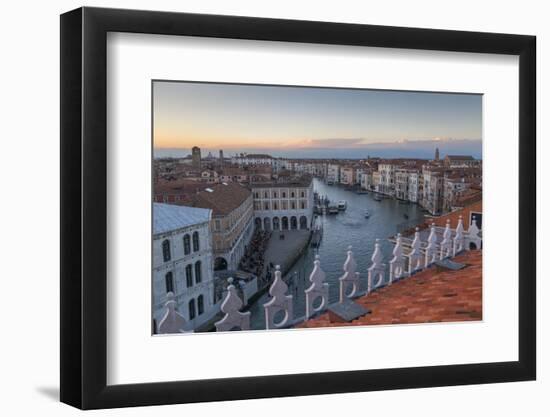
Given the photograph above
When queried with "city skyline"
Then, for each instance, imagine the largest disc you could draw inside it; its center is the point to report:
(316, 122)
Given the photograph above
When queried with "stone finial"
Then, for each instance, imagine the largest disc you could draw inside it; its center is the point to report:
(397, 264)
(318, 288)
(350, 277)
(279, 301)
(415, 256)
(172, 321)
(377, 256)
(376, 270)
(473, 240)
(459, 239)
(446, 243)
(233, 319)
(431, 249)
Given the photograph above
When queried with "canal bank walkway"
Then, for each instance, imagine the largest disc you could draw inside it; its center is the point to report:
(285, 252)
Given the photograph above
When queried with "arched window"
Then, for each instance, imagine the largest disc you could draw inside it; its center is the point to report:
(196, 245)
(189, 275)
(169, 280)
(166, 250)
(292, 194)
(303, 194)
(198, 272)
(200, 304)
(265, 195)
(284, 194)
(191, 309)
(186, 245)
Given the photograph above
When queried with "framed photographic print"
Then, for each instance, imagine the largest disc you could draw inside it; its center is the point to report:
(257, 208)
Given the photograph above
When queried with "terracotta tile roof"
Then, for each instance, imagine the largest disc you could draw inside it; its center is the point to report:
(223, 199)
(430, 296)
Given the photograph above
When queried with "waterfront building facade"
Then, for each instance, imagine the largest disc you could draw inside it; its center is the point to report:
(283, 205)
(347, 176)
(387, 178)
(232, 221)
(432, 196)
(182, 262)
(333, 173)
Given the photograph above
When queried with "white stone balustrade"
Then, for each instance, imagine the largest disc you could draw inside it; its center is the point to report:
(415, 256)
(233, 319)
(397, 264)
(446, 248)
(318, 289)
(377, 270)
(431, 249)
(279, 302)
(419, 257)
(172, 321)
(350, 278)
(459, 240)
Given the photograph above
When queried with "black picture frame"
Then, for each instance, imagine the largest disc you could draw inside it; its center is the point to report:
(84, 207)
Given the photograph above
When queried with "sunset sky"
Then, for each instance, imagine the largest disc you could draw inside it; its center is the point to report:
(309, 121)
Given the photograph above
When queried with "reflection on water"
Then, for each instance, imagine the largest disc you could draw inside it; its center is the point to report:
(348, 227)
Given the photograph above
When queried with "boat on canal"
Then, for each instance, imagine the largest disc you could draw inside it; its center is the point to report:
(377, 198)
(342, 205)
(367, 214)
(332, 210)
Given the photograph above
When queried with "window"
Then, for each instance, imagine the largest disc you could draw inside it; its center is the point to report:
(166, 250)
(189, 275)
(303, 194)
(292, 194)
(303, 205)
(196, 245)
(191, 309)
(275, 194)
(218, 225)
(266, 206)
(200, 304)
(293, 205)
(169, 280)
(275, 206)
(284, 194)
(265, 195)
(198, 272)
(186, 245)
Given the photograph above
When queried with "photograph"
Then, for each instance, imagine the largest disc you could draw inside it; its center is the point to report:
(298, 207)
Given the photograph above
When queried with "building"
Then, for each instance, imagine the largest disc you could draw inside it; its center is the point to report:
(232, 225)
(284, 205)
(415, 186)
(436, 154)
(387, 178)
(460, 161)
(196, 157)
(347, 175)
(401, 189)
(333, 174)
(182, 262)
(432, 196)
(252, 159)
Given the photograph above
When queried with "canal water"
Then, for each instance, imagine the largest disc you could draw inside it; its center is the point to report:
(349, 227)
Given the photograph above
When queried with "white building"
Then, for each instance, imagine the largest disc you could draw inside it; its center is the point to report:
(387, 178)
(182, 262)
(283, 205)
(252, 159)
(415, 187)
(333, 173)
